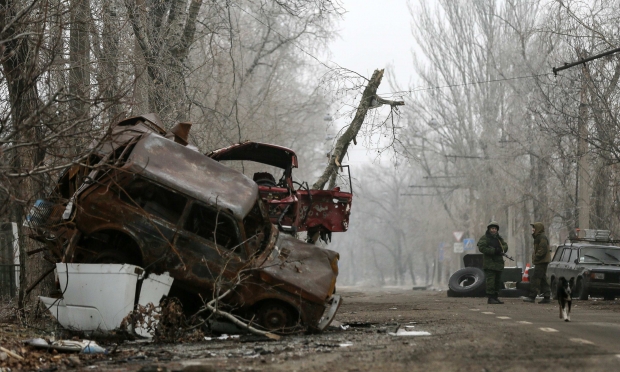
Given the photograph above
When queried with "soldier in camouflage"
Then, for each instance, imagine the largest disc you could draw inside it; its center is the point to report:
(492, 246)
(540, 258)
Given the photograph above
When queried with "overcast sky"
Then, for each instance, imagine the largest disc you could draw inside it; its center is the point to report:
(375, 34)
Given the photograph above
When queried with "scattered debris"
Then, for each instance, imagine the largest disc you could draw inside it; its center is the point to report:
(68, 346)
(98, 297)
(403, 332)
(11, 354)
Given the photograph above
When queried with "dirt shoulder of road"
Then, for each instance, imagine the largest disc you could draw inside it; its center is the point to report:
(461, 339)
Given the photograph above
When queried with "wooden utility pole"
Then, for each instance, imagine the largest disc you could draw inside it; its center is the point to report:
(342, 145)
(583, 182)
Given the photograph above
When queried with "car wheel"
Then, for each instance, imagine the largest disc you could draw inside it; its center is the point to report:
(581, 292)
(275, 316)
(112, 256)
(469, 280)
(524, 286)
(554, 289)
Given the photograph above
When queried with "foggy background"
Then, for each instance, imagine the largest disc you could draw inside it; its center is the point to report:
(487, 132)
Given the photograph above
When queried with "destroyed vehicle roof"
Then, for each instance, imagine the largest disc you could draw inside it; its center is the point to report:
(193, 174)
(264, 153)
(123, 131)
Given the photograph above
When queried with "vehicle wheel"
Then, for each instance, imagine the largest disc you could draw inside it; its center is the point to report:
(554, 289)
(469, 280)
(275, 316)
(524, 286)
(112, 256)
(581, 292)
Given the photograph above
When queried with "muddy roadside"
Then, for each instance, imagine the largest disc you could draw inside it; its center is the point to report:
(365, 337)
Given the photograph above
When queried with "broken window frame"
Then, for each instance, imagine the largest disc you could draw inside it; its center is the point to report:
(235, 245)
(134, 198)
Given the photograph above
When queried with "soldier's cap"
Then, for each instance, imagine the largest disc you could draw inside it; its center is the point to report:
(493, 223)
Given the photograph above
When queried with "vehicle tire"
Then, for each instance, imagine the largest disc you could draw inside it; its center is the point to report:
(581, 292)
(275, 316)
(513, 293)
(524, 286)
(468, 281)
(112, 256)
(554, 289)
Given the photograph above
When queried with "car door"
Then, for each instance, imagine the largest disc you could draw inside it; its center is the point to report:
(563, 263)
(210, 244)
(555, 266)
(152, 212)
(570, 268)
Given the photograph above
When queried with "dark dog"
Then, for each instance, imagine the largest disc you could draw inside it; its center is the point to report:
(564, 297)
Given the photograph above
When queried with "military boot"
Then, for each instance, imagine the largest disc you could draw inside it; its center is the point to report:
(494, 301)
(499, 301)
(545, 300)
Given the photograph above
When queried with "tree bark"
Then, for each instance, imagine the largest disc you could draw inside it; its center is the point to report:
(350, 134)
(79, 60)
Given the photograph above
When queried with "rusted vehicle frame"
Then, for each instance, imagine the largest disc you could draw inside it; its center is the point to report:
(293, 206)
(143, 199)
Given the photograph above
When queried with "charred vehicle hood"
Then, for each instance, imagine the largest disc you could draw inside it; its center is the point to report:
(190, 172)
(301, 268)
(264, 153)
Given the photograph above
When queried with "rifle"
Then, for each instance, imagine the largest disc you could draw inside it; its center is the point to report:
(507, 256)
(504, 253)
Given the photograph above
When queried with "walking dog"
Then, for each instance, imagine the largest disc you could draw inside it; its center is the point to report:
(564, 297)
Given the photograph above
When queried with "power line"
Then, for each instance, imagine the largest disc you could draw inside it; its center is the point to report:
(404, 91)
(420, 194)
(471, 83)
(428, 177)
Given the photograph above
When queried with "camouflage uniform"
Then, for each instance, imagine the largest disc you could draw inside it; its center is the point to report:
(540, 258)
(492, 248)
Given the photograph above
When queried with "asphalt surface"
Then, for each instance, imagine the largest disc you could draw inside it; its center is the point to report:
(461, 334)
(588, 325)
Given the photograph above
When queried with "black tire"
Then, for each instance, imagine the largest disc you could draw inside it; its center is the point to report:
(112, 256)
(525, 286)
(580, 291)
(451, 293)
(512, 293)
(469, 281)
(554, 289)
(276, 316)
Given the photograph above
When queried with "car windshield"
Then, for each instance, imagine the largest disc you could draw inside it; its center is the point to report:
(606, 255)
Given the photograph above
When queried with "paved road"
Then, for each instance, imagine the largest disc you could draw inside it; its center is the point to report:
(466, 334)
(588, 325)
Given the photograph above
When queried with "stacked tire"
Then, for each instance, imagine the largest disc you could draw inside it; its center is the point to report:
(470, 282)
(467, 282)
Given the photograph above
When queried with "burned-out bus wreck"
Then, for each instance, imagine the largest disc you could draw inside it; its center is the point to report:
(143, 197)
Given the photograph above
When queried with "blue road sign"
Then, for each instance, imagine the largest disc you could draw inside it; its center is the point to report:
(469, 244)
